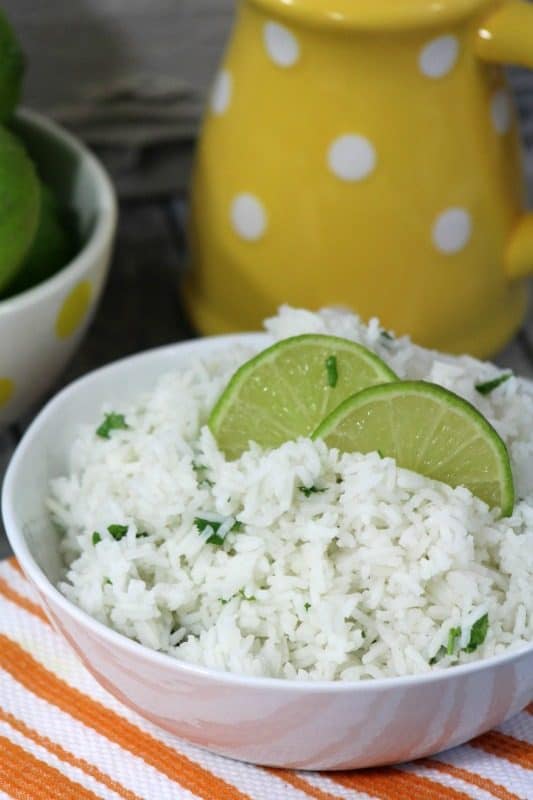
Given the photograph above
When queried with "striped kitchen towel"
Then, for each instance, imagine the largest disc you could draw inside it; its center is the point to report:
(63, 736)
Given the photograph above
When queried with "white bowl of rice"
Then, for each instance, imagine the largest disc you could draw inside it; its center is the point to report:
(317, 635)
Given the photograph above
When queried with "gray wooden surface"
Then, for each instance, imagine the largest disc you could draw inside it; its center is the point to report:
(78, 46)
(128, 76)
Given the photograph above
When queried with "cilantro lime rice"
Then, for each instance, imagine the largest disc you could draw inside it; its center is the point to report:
(297, 562)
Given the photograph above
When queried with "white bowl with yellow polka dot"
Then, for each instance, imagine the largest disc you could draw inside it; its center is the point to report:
(41, 328)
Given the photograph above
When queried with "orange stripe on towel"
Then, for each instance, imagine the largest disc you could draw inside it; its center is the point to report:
(25, 777)
(469, 777)
(393, 784)
(499, 744)
(28, 605)
(37, 679)
(65, 756)
(296, 781)
(15, 564)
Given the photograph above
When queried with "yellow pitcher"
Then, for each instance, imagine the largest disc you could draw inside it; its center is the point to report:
(365, 153)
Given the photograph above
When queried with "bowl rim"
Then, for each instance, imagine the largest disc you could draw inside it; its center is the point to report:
(116, 639)
(105, 223)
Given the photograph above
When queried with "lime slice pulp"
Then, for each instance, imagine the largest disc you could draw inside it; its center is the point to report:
(428, 430)
(286, 390)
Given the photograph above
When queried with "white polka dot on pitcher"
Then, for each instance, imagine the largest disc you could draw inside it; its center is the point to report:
(437, 58)
(351, 157)
(452, 230)
(248, 217)
(221, 92)
(281, 45)
(501, 112)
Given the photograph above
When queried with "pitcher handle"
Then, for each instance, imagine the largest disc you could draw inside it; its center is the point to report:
(507, 37)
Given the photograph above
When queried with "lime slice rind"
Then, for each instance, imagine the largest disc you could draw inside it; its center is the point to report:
(429, 430)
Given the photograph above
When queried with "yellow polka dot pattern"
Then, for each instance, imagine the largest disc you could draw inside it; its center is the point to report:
(408, 214)
(74, 310)
(7, 387)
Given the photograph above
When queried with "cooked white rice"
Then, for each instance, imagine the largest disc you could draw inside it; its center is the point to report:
(363, 580)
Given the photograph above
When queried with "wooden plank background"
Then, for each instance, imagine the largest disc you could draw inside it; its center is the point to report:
(84, 56)
(77, 45)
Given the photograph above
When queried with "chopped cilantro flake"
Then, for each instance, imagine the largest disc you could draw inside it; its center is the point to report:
(307, 606)
(441, 652)
(112, 422)
(309, 490)
(202, 525)
(215, 539)
(453, 635)
(331, 370)
(142, 535)
(380, 454)
(242, 594)
(387, 335)
(489, 386)
(118, 531)
(202, 480)
(96, 538)
(478, 634)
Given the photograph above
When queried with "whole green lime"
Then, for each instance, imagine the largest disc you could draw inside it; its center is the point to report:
(51, 249)
(19, 205)
(12, 66)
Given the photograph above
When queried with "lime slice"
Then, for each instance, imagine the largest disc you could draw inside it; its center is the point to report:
(428, 430)
(286, 390)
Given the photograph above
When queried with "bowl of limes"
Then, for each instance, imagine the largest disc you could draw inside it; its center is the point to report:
(57, 223)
